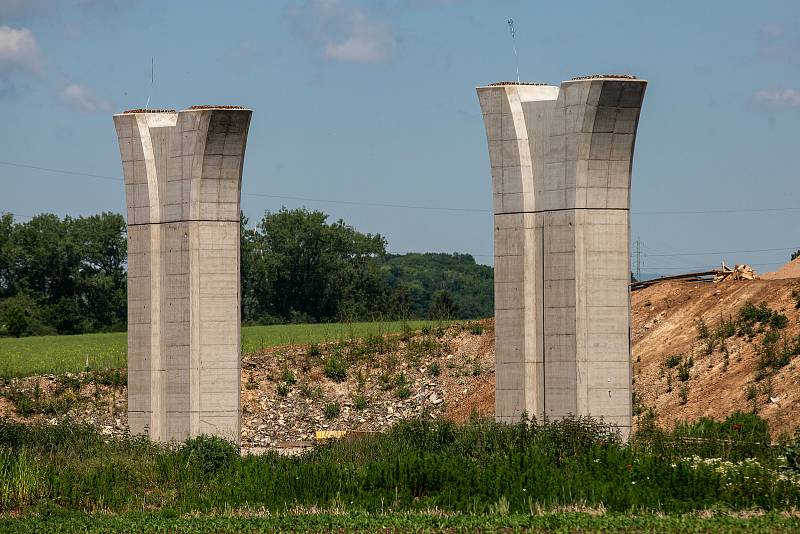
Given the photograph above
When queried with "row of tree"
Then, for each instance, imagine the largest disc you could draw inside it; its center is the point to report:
(68, 275)
(62, 275)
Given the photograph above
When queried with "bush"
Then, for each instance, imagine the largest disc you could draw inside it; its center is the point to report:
(19, 316)
(672, 361)
(209, 454)
(288, 376)
(778, 321)
(791, 454)
(332, 409)
(702, 328)
(111, 377)
(361, 403)
(434, 370)
(336, 368)
(683, 370)
(725, 329)
(403, 392)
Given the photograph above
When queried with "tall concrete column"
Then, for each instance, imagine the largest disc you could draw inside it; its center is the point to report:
(183, 175)
(561, 162)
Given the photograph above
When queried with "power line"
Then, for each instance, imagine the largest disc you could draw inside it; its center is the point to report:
(715, 211)
(359, 203)
(723, 252)
(264, 195)
(61, 171)
(410, 206)
(697, 267)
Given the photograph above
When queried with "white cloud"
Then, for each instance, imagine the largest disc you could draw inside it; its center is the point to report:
(83, 99)
(779, 97)
(349, 34)
(19, 50)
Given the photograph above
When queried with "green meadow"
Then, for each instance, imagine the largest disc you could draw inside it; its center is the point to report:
(27, 356)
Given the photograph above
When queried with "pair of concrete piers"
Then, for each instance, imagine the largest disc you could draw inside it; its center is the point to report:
(561, 162)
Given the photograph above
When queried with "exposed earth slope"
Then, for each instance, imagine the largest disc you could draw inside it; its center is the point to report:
(666, 328)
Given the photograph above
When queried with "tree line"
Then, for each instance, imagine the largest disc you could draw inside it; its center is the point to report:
(67, 275)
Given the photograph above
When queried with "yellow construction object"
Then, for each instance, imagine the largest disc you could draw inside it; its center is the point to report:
(322, 435)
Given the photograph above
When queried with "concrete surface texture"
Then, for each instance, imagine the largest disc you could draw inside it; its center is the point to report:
(183, 175)
(561, 162)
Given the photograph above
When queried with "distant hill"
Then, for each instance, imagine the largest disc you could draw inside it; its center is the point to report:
(418, 278)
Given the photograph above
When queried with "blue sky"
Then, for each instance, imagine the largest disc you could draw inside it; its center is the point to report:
(374, 101)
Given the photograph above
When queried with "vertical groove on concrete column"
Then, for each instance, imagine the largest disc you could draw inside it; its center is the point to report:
(157, 406)
(539, 307)
(194, 322)
(156, 401)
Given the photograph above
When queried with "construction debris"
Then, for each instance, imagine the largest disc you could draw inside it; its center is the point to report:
(724, 273)
(739, 272)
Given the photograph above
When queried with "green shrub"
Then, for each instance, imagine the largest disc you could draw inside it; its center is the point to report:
(314, 350)
(385, 381)
(476, 368)
(403, 392)
(400, 380)
(283, 390)
(434, 370)
(209, 454)
(725, 329)
(336, 368)
(361, 403)
(683, 370)
(791, 454)
(476, 329)
(332, 409)
(111, 377)
(672, 361)
(288, 376)
(778, 321)
(702, 328)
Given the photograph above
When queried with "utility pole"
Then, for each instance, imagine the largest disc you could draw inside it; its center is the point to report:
(638, 258)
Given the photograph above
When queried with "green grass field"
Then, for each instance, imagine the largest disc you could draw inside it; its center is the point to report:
(412, 522)
(61, 354)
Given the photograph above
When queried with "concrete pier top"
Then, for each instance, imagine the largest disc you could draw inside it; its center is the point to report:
(182, 165)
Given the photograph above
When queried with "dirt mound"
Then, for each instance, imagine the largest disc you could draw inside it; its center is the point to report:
(726, 373)
(790, 270)
(290, 392)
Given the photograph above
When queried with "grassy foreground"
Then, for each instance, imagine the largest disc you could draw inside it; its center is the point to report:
(420, 522)
(419, 465)
(70, 354)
